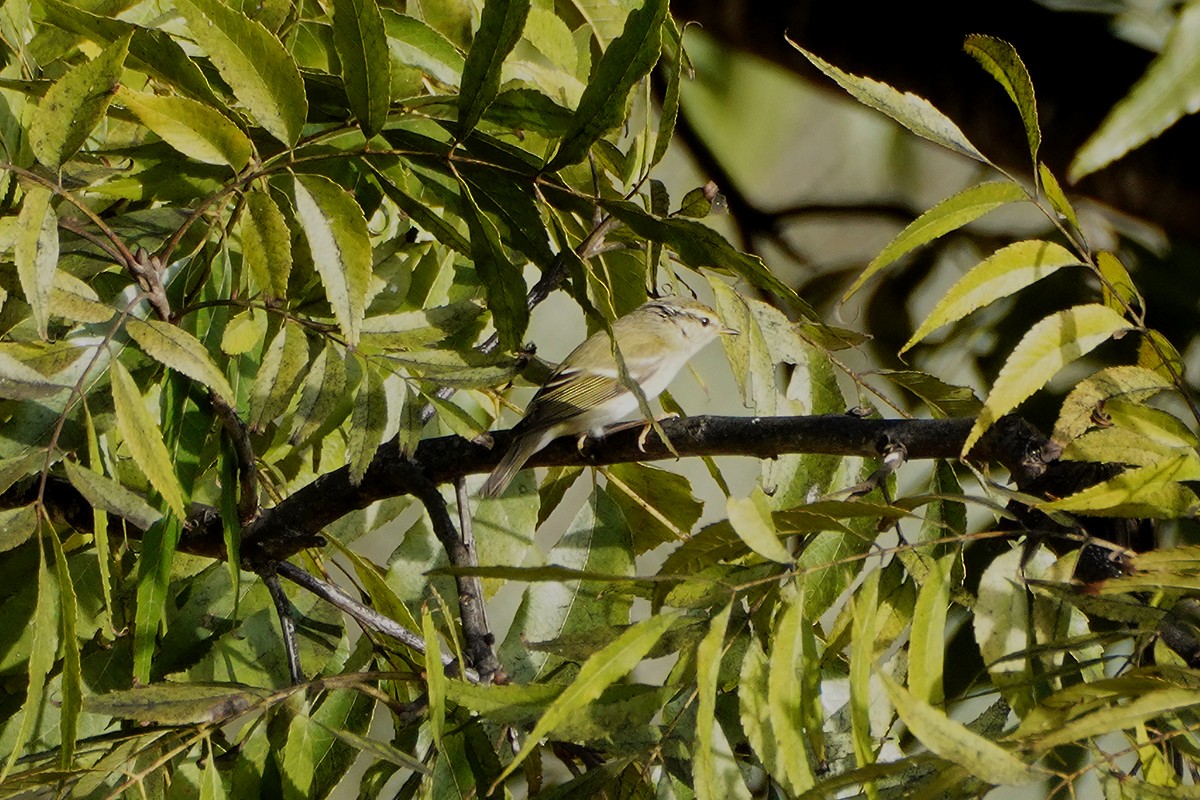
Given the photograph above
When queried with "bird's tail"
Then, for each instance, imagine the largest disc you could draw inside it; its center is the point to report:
(518, 453)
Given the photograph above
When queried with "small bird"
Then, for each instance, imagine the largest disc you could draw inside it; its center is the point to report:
(585, 393)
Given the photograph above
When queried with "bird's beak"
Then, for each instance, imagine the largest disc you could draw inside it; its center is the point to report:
(728, 331)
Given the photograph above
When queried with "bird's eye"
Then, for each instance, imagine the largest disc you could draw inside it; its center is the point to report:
(704, 321)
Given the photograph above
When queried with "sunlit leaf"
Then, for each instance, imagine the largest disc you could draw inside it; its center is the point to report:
(500, 26)
(279, 375)
(254, 63)
(74, 105)
(1152, 491)
(144, 439)
(791, 654)
(714, 769)
(949, 215)
(323, 388)
(1002, 62)
(751, 518)
(415, 44)
(266, 244)
(177, 703)
(174, 347)
(366, 424)
(1008, 270)
(501, 278)
(1057, 197)
(36, 252)
(106, 494)
(194, 129)
(1049, 346)
(1132, 384)
(337, 236)
(362, 48)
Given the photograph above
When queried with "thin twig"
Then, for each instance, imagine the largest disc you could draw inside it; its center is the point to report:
(287, 623)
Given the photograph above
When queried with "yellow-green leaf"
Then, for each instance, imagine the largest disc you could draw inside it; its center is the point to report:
(258, 68)
(106, 494)
(279, 375)
(949, 215)
(17, 525)
(75, 104)
(601, 670)
(322, 392)
(36, 252)
(191, 127)
(19, 381)
(1008, 270)
(362, 48)
(144, 439)
(1132, 384)
(266, 244)
(1057, 197)
(927, 644)
(174, 347)
(1002, 62)
(1117, 287)
(337, 237)
(177, 703)
(714, 770)
(366, 425)
(244, 331)
(435, 677)
(751, 519)
(1151, 491)
(955, 742)
(787, 659)
(913, 112)
(1049, 346)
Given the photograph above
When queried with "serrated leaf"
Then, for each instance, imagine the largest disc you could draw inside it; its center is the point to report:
(106, 494)
(1008, 270)
(36, 252)
(596, 674)
(500, 26)
(1002, 62)
(1169, 89)
(19, 381)
(751, 518)
(862, 664)
(244, 332)
(144, 438)
(337, 235)
(913, 112)
(949, 215)
(625, 61)
(927, 645)
(1057, 197)
(254, 63)
(435, 677)
(279, 376)
(322, 391)
(658, 505)
(194, 129)
(412, 329)
(1133, 384)
(754, 707)
(266, 244)
(501, 278)
(362, 48)
(378, 749)
(366, 425)
(944, 399)
(1111, 717)
(955, 742)
(177, 703)
(174, 347)
(1152, 491)
(415, 44)
(1116, 286)
(714, 771)
(790, 655)
(73, 106)
(72, 299)
(17, 525)
(71, 675)
(1049, 346)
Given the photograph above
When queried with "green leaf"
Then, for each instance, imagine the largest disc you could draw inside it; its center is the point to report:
(194, 129)
(1132, 384)
(323, 389)
(1169, 89)
(955, 742)
(1057, 197)
(1008, 270)
(949, 215)
(627, 60)
(73, 106)
(944, 400)
(658, 505)
(36, 252)
(500, 26)
(1111, 717)
(19, 381)
(362, 48)
(72, 699)
(754, 707)
(244, 332)
(45, 623)
(862, 665)
(415, 44)
(435, 677)
(174, 347)
(751, 518)
(17, 525)
(1049, 346)
(74, 300)
(672, 67)
(266, 244)
(1116, 287)
(501, 278)
(107, 495)
(337, 235)
(714, 770)
(913, 112)
(177, 703)
(258, 68)
(144, 438)
(595, 675)
(927, 644)
(1152, 491)
(366, 425)
(378, 749)
(1002, 62)
(279, 376)
(791, 654)
(700, 246)
(1002, 625)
